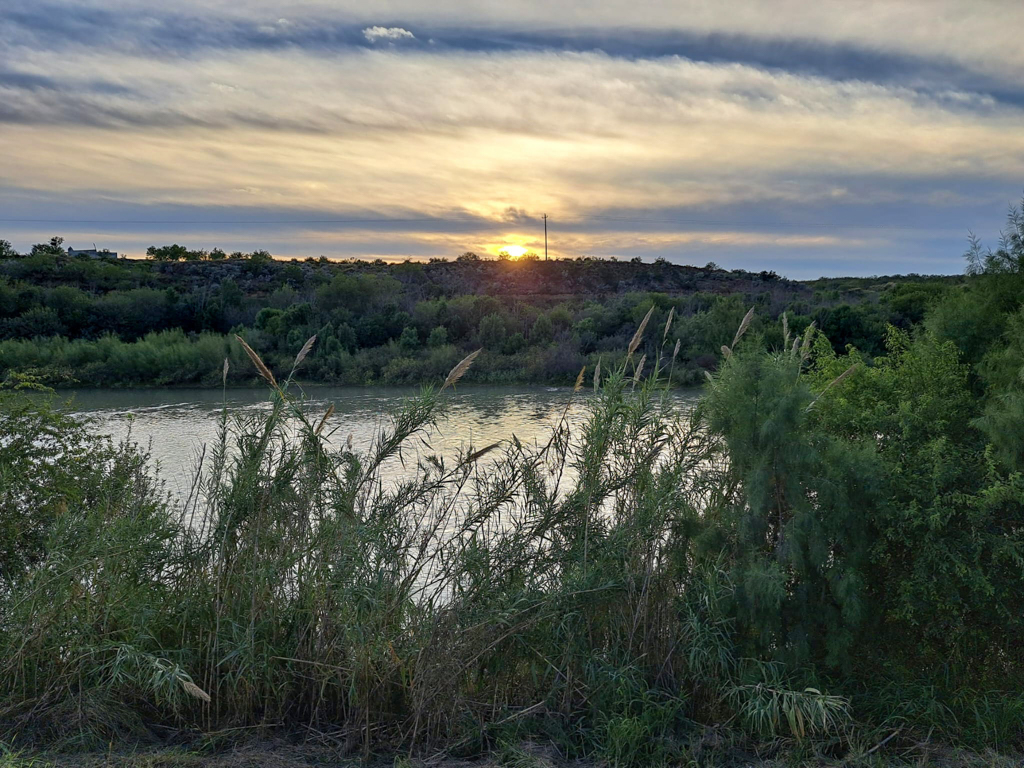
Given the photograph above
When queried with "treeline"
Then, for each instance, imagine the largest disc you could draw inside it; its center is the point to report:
(822, 564)
(168, 320)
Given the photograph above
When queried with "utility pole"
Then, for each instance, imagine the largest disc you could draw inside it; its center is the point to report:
(545, 217)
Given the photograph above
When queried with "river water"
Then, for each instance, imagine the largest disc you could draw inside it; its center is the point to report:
(175, 424)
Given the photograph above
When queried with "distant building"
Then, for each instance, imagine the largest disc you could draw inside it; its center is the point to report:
(93, 253)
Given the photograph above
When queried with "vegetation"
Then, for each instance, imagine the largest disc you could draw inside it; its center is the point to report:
(822, 562)
(171, 319)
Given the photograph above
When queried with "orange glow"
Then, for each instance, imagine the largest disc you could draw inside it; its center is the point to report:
(515, 251)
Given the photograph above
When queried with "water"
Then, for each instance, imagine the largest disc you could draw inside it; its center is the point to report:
(175, 424)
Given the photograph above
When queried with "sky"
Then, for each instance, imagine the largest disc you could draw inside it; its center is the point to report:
(833, 137)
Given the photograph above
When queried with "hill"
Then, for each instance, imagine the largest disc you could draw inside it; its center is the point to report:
(79, 320)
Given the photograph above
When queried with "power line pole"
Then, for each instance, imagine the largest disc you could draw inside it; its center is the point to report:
(545, 217)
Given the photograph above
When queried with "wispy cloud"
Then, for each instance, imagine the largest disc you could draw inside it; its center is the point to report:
(981, 34)
(785, 126)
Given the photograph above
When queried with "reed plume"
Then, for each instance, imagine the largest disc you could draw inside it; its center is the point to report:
(635, 341)
(258, 362)
(460, 370)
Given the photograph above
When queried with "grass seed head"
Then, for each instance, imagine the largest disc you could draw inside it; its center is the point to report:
(258, 362)
(304, 351)
(638, 336)
(459, 370)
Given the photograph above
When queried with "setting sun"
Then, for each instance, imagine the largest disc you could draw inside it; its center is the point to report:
(515, 251)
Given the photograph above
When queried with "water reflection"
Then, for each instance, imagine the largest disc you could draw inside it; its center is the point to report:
(177, 423)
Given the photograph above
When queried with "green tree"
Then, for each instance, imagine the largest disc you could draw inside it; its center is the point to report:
(492, 331)
(438, 337)
(1002, 371)
(975, 318)
(293, 274)
(53, 248)
(542, 331)
(938, 573)
(36, 322)
(173, 252)
(409, 340)
(796, 528)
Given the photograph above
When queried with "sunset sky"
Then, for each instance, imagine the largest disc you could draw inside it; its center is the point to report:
(824, 138)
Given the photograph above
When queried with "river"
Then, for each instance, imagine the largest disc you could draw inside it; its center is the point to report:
(175, 424)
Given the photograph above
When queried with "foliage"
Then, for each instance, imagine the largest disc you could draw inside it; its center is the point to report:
(294, 586)
(748, 563)
(795, 522)
(537, 319)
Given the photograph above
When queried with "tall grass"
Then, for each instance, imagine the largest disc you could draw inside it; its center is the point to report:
(561, 591)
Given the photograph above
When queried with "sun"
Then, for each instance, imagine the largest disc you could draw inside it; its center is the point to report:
(515, 251)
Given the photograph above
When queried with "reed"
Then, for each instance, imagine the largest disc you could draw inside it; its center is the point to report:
(570, 592)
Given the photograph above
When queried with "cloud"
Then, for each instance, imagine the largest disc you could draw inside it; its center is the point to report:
(588, 116)
(373, 34)
(788, 128)
(979, 34)
(569, 134)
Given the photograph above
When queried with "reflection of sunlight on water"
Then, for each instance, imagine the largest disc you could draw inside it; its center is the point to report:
(176, 424)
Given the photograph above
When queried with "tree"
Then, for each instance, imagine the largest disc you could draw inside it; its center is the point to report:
(438, 337)
(492, 331)
(231, 294)
(173, 252)
(858, 326)
(346, 336)
(1008, 258)
(975, 318)
(269, 320)
(1002, 371)
(542, 331)
(293, 273)
(53, 248)
(797, 525)
(938, 574)
(7, 250)
(409, 340)
(261, 257)
(515, 343)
